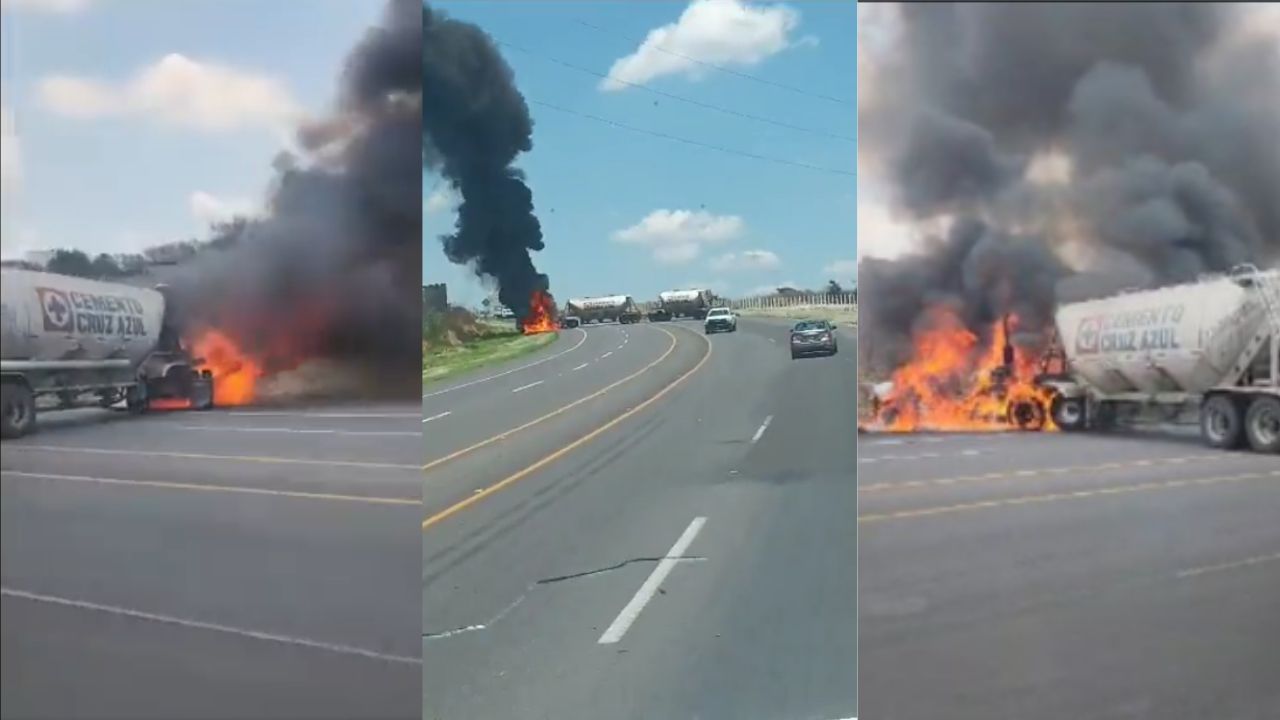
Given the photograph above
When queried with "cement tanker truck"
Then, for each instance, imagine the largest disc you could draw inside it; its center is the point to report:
(618, 308)
(682, 303)
(70, 342)
(1209, 346)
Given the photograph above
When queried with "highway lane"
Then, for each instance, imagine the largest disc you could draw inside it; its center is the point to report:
(698, 559)
(606, 354)
(1067, 576)
(230, 564)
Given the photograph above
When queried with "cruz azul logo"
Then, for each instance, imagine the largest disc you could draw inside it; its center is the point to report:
(90, 314)
(1137, 331)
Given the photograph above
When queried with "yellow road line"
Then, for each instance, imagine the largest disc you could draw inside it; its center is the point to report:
(1029, 499)
(481, 494)
(202, 456)
(502, 436)
(1036, 472)
(215, 488)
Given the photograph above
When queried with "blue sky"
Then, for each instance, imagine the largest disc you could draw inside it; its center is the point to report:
(750, 223)
(137, 121)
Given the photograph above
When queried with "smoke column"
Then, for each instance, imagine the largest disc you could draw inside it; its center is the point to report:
(1067, 151)
(475, 123)
(332, 271)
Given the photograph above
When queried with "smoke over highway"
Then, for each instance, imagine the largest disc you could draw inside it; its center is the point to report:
(475, 123)
(1066, 150)
(332, 270)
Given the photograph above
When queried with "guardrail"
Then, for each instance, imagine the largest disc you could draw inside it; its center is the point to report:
(799, 301)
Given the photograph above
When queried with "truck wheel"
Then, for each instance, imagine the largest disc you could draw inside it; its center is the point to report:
(135, 399)
(17, 410)
(1068, 413)
(1220, 423)
(1027, 415)
(1105, 416)
(1262, 424)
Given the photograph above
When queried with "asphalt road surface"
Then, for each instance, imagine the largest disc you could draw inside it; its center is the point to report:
(225, 564)
(1056, 576)
(602, 543)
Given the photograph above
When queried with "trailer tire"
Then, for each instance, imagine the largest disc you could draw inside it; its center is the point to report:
(1068, 413)
(1262, 424)
(17, 410)
(1221, 424)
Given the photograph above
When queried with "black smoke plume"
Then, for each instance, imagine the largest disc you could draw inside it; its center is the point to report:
(475, 123)
(332, 271)
(1163, 116)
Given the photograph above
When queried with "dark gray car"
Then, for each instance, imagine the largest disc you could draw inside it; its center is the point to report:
(810, 337)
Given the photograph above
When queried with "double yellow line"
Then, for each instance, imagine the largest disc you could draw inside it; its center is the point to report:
(514, 477)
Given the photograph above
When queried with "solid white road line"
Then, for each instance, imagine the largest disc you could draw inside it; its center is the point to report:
(513, 370)
(622, 623)
(921, 456)
(299, 431)
(760, 431)
(1229, 566)
(446, 413)
(348, 416)
(606, 355)
(526, 387)
(581, 366)
(208, 456)
(197, 487)
(213, 627)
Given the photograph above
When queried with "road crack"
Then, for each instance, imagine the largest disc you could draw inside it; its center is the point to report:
(442, 634)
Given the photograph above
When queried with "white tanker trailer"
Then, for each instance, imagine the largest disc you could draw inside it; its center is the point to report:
(1211, 345)
(682, 303)
(77, 342)
(618, 308)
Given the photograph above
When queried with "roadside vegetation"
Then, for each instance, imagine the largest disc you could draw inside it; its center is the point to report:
(456, 341)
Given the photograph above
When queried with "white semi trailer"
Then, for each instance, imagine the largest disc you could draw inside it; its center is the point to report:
(682, 303)
(72, 342)
(618, 308)
(1211, 346)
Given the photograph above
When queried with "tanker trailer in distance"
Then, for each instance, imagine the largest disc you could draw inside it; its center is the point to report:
(1212, 345)
(80, 342)
(617, 308)
(682, 303)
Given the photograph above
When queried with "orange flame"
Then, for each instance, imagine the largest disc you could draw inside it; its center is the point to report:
(541, 317)
(955, 382)
(235, 374)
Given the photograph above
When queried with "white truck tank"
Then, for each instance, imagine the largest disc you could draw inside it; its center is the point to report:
(681, 296)
(50, 318)
(596, 303)
(1182, 338)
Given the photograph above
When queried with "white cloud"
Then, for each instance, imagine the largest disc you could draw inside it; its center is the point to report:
(179, 91)
(721, 32)
(209, 208)
(65, 7)
(841, 269)
(10, 153)
(443, 199)
(676, 237)
(746, 260)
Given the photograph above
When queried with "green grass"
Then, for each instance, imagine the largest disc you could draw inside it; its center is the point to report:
(499, 346)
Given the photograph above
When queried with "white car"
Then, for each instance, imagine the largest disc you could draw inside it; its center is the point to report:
(720, 319)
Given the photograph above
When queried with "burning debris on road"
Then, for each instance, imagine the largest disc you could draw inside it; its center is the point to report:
(1048, 153)
(475, 123)
(542, 314)
(329, 276)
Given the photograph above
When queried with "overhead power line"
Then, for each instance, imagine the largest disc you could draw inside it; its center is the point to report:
(721, 68)
(696, 143)
(680, 98)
